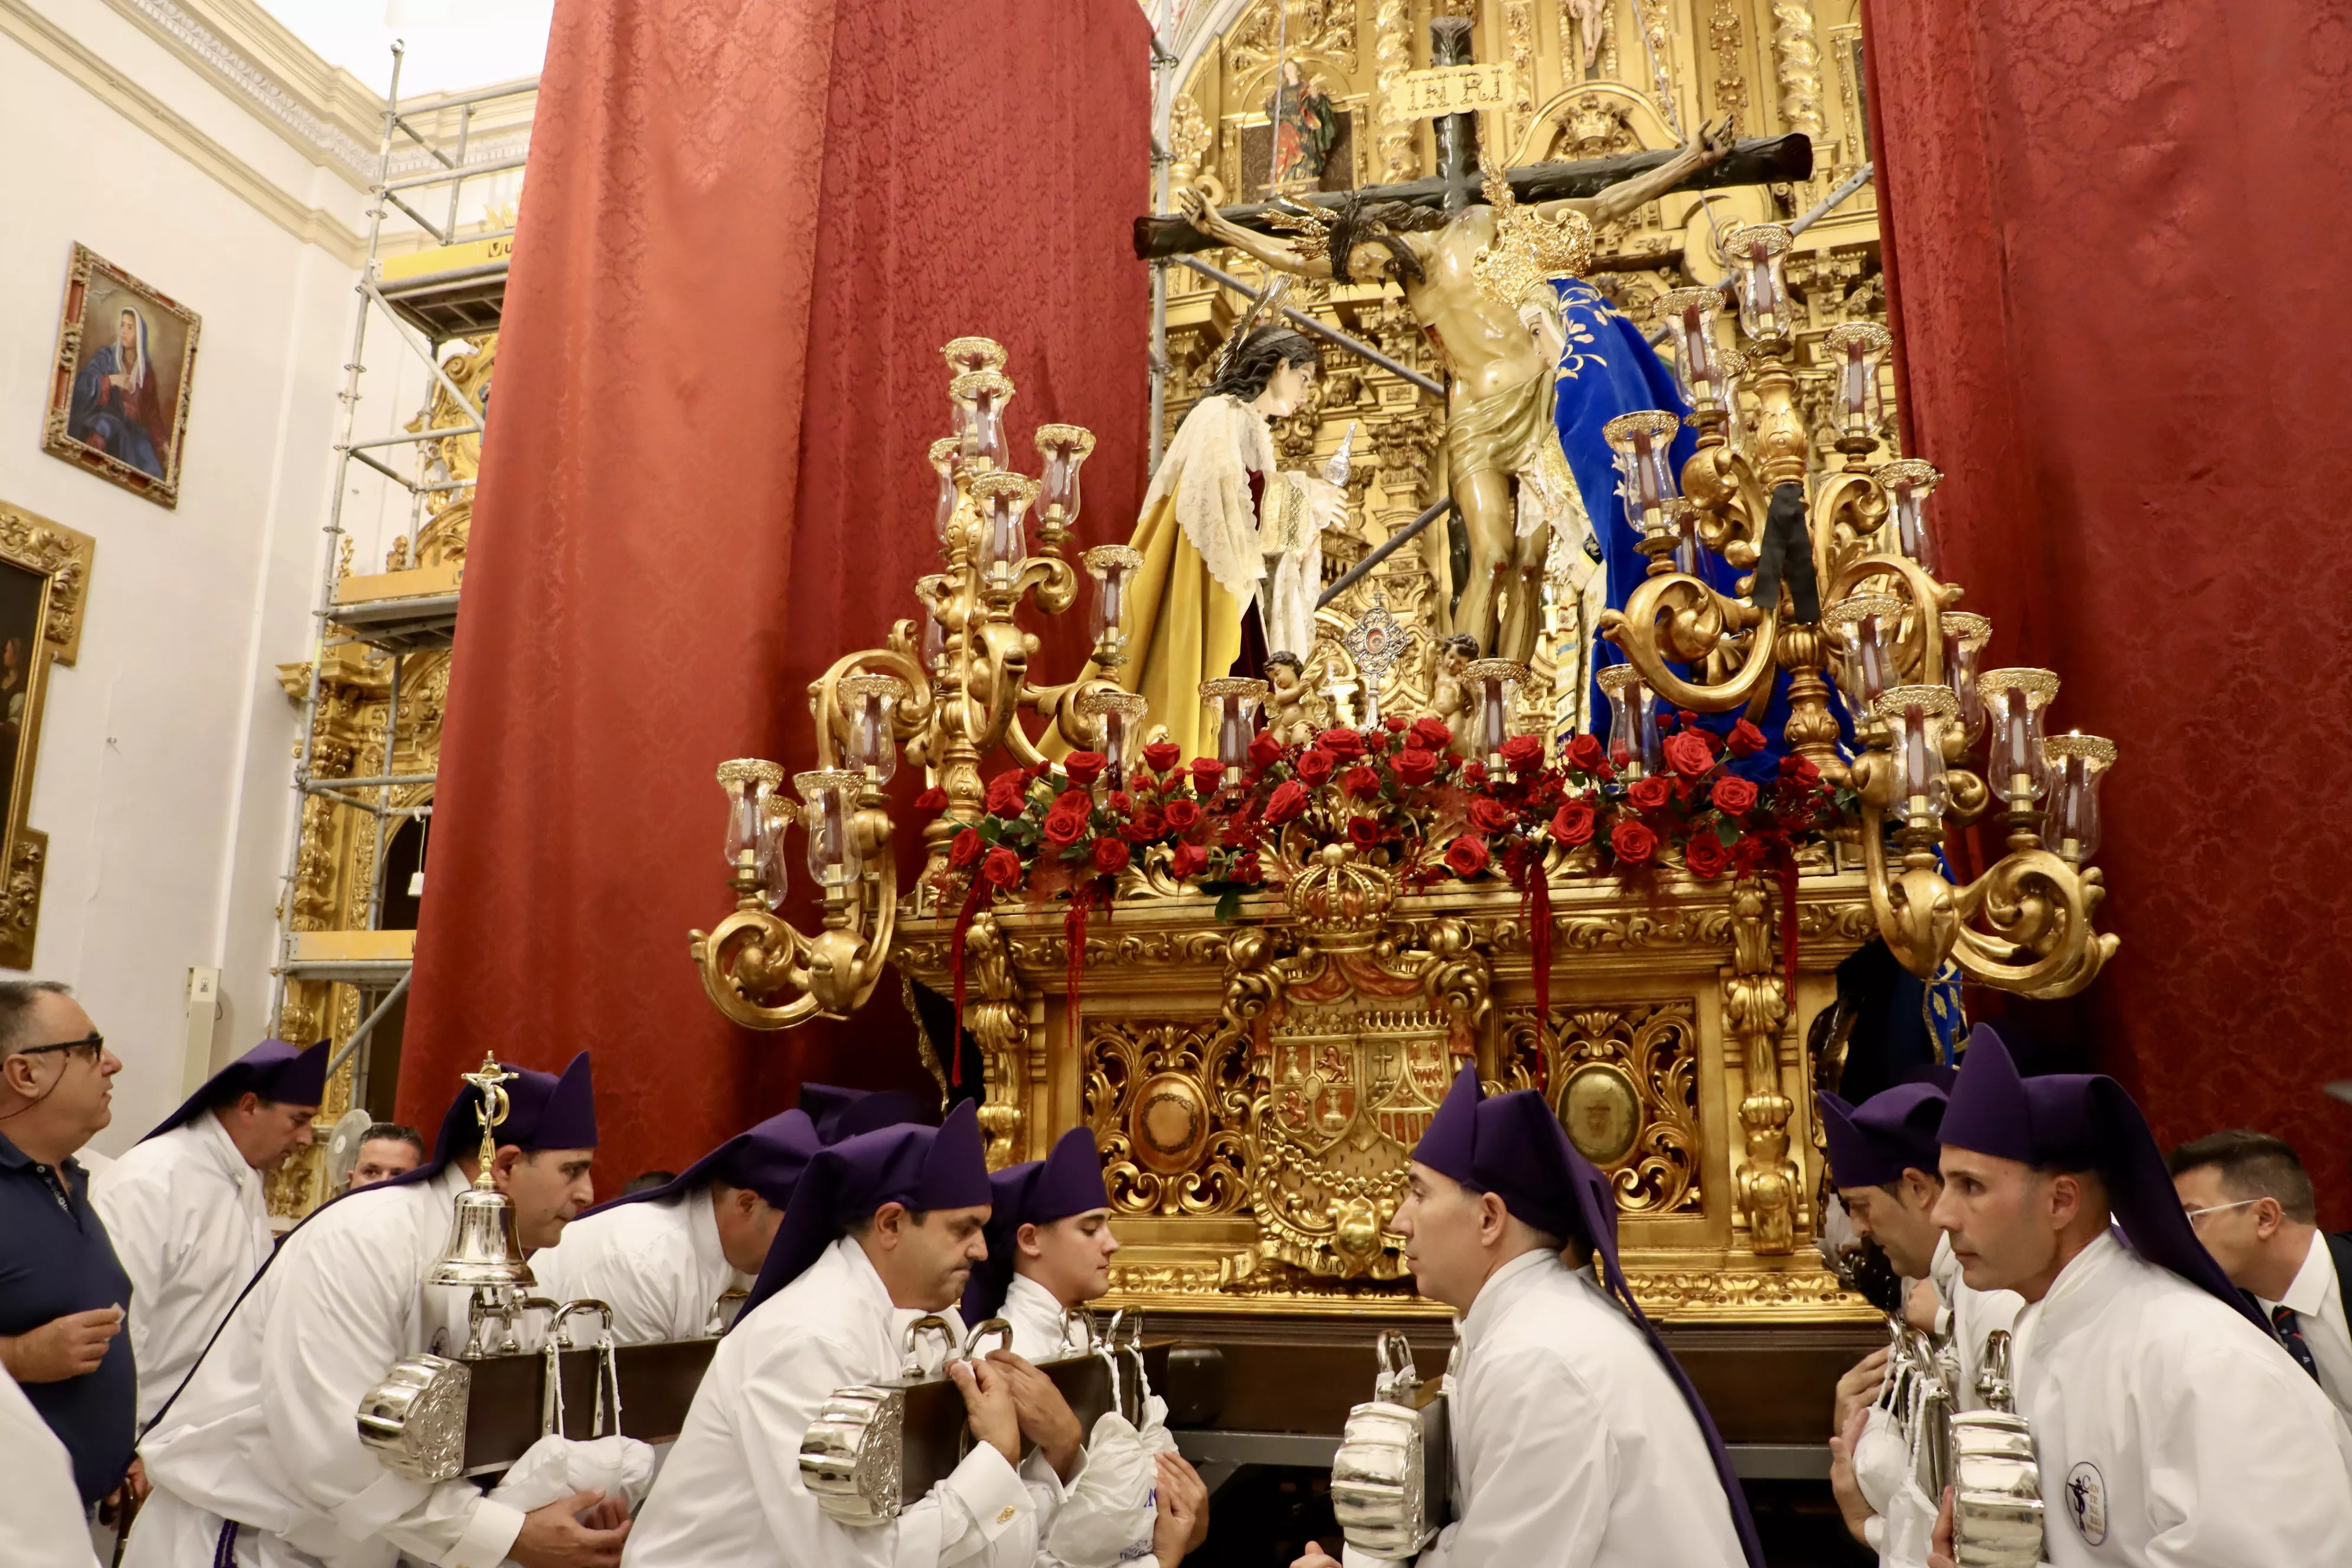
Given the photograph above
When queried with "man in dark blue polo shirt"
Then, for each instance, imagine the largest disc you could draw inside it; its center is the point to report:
(62, 1294)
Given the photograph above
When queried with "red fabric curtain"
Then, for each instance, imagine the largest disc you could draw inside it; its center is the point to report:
(747, 231)
(2116, 260)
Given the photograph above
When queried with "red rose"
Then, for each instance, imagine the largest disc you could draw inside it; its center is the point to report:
(1585, 754)
(1001, 868)
(1686, 716)
(932, 799)
(1245, 868)
(965, 849)
(1189, 860)
(1287, 804)
(1572, 823)
(1688, 753)
(1415, 767)
(1110, 857)
(1063, 828)
(1182, 814)
(1632, 843)
(1523, 751)
(1162, 755)
(1085, 767)
(1265, 750)
(1345, 745)
(1793, 767)
(1705, 857)
(1119, 801)
(1649, 793)
(1315, 766)
(1007, 793)
(1364, 833)
(1474, 774)
(1490, 815)
(1207, 775)
(1392, 724)
(1466, 855)
(1733, 797)
(1362, 782)
(1744, 740)
(1145, 825)
(1431, 734)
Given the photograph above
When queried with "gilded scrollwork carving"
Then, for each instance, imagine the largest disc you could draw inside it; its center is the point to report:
(1168, 1101)
(1755, 1012)
(1624, 1080)
(999, 1023)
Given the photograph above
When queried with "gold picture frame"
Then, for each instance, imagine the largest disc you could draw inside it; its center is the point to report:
(126, 364)
(44, 583)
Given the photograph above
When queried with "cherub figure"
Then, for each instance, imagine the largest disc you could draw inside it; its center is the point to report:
(1449, 688)
(1290, 704)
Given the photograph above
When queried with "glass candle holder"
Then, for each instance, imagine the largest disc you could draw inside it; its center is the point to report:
(1733, 364)
(1758, 255)
(1113, 567)
(1690, 315)
(747, 783)
(1965, 636)
(1634, 745)
(979, 396)
(1863, 627)
(970, 353)
(1003, 499)
(1680, 538)
(775, 816)
(1122, 714)
(1915, 717)
(1065, 449)
(2076, 762)
(1645, 470)
(2013, 703)
(1855, 350)
(1908, 482)
(829, 814)
(867, 702)
(945, 453)
(1492, 681)
(1233, 701)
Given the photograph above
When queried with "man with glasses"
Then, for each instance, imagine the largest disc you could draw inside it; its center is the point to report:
(62, 1293)
(2250, 1201)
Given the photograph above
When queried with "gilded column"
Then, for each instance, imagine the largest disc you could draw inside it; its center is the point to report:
(1798, 59)
(1724, 28)
(1391, 57)
(1755, 1011)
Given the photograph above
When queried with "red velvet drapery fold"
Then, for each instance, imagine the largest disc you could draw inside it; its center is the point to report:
(2116, 264)
(747, 229)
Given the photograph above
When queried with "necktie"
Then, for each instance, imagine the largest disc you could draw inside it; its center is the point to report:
(2290, 1328)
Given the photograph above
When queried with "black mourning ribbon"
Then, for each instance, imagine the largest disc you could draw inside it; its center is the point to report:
(1787, 555)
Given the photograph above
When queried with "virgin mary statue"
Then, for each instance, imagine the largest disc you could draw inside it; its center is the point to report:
(1231, 545)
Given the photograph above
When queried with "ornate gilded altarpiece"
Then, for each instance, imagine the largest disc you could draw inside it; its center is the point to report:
(335, 880)
(43, 584)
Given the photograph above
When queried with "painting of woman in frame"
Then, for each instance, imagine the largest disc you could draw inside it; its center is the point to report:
(126, 359)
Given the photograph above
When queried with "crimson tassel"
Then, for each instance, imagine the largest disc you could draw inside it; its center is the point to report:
(955, 968)
(1074, 934)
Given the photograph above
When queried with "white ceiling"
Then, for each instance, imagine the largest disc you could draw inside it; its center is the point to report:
(452, 44)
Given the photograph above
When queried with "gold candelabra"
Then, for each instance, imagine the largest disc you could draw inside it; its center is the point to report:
(945, 691)
(1858, 601)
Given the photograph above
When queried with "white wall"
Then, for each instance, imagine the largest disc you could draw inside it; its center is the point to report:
(164, 767)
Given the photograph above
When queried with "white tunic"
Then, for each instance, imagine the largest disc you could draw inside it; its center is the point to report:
(657, 1265)
(730, 1495)
(2170, 1432)
(41, 1525)
(265, 1435)
(1572, 1447)
(1101, 1520)
(1886, 1467)
(191, 1226)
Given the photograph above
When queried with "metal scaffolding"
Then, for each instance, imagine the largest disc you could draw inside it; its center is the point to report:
(422, 312)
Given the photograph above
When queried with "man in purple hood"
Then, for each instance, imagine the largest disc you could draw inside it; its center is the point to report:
(2171, 1424)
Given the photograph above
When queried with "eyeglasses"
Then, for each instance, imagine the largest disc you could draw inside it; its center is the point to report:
(94, 1044)
(2196, 1214)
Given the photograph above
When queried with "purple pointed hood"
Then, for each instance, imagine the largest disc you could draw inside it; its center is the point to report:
(289, 1074)
(544, 1110)
(2085, 1121)
(769, 1157)
(1514, 1147)
(840, 1113)
(1872, 1144)
(1067, 1180)
(925, 1168)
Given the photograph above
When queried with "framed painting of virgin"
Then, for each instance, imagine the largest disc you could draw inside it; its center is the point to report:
(126, 358)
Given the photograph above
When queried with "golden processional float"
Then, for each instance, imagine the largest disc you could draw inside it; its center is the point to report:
(1314, 927)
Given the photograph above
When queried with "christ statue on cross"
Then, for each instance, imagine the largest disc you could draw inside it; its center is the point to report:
(1500, 432)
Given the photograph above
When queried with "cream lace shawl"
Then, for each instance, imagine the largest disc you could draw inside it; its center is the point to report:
(1207, 469)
